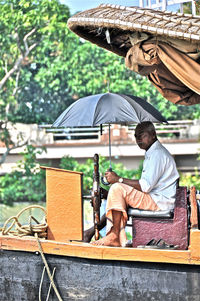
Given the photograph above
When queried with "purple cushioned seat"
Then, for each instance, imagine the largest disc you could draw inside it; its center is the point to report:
(173, 230)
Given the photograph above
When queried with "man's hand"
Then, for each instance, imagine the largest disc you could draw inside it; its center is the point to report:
(111, 177)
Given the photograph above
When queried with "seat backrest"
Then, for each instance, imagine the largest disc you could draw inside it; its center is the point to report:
(173, 231)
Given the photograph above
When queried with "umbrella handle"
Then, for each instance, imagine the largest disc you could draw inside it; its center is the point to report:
(104, 182)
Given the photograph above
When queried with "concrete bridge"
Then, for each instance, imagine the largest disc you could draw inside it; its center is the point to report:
(181, 138)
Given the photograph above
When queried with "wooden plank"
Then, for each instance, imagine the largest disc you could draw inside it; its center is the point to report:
(193, 204)
(85, 250)
(195, 245)
(64, 205)
(58, 169)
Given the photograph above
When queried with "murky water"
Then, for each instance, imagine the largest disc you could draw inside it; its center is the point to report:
(8, 211)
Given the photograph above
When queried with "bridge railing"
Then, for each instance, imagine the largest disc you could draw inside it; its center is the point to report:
(179, 129)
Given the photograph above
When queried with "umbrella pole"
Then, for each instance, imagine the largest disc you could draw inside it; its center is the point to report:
(110, 148)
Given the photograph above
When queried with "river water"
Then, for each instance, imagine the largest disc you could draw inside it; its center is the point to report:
(8, 211)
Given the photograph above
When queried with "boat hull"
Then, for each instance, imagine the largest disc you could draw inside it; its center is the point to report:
(95, 280)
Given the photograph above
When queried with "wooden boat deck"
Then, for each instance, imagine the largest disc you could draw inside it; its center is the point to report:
(65, 229)
(85, 250)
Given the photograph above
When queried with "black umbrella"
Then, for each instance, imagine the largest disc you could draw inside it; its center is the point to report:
(108, 108)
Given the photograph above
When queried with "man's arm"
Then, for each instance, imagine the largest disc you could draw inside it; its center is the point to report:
(112, 178)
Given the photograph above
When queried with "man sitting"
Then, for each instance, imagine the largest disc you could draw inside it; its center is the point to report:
(156, 189)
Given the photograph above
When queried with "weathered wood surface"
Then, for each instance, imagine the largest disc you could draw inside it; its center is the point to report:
(94, 280)
(193, 205)
(85, 250)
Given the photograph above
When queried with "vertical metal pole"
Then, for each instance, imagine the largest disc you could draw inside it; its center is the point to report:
(109, 147)
(181, 8)
(194, 12)
(164, 5)
(141, 3)
(149, 3)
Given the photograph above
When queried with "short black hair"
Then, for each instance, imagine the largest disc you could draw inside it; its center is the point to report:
(146, 126)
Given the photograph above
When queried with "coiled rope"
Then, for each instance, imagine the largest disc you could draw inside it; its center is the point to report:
(25, 230)
(38, 230)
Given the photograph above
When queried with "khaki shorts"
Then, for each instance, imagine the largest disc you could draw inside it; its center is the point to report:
(121, 196)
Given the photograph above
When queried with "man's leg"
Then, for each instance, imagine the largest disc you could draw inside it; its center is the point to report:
(116, 210)
(89, 233)
(119, 198)
(112, 238)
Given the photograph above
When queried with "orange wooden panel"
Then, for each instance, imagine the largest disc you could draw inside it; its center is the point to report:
(195, 244)
(193, 203)
(64, 204)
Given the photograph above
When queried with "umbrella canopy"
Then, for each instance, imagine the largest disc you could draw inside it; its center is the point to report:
(164, 46)
(108, 108)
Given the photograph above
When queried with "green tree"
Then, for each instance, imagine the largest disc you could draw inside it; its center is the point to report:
(31, 32)
(70, 163)
(44, 68)
(190, 180)
(26, 182)
(187, 7)
(55, 67)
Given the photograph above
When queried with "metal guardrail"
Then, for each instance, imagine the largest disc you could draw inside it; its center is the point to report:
(174, 129)
(178, 129)
(73, 133)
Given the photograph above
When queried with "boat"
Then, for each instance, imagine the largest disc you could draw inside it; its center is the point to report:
(62, 266)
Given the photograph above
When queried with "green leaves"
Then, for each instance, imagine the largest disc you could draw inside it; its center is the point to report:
(61, 67)
(88, 168)
(26, 182)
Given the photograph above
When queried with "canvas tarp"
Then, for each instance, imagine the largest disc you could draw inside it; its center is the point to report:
(174, 73)
(164, 46)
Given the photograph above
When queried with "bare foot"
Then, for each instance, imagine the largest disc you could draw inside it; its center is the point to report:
(111, 240)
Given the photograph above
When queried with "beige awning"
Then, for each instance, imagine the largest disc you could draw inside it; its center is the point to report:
(164, 46)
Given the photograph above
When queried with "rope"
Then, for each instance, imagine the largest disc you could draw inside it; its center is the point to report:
(41, 281)
(38, 230)
(47, 268)
(47, 298)
(25, 230)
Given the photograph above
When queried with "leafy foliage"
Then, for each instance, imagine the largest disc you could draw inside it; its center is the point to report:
(44, 22)
(32, 36)
(26, 182)
(61, 67)
(187, 7)
(44, 68)
(190, 180)
(87, 169)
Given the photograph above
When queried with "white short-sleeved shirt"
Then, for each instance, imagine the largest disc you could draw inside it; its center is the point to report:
(159, 176)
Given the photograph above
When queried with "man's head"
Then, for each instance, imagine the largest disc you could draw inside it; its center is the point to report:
(145, 134)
